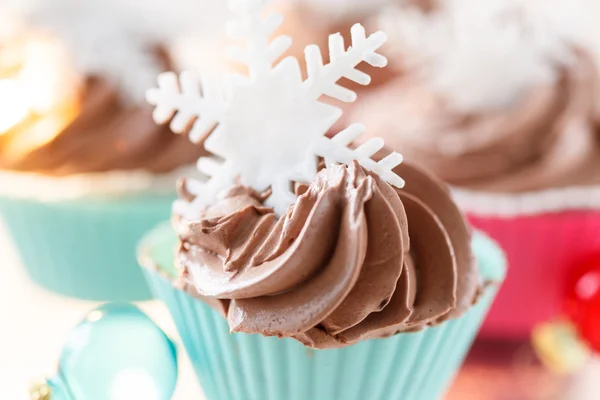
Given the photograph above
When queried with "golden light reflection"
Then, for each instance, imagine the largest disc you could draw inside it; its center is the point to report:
(40, 131)
(39, 93)
(12, 103)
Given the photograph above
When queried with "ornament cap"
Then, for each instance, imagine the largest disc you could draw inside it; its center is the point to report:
(40, 390)
(559, 347)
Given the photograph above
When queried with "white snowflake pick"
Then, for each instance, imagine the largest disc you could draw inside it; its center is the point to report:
(267, 129)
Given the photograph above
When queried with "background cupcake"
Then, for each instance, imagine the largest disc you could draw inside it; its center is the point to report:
(84, 174)
(499, 100)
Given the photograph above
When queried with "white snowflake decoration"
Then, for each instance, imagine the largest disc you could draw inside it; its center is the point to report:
(269, 127)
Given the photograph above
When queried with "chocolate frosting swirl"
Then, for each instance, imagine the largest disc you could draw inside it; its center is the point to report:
(547, 139)
(352, 259)
(107, 135)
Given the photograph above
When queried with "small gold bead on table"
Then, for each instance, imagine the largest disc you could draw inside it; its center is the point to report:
(40, 391)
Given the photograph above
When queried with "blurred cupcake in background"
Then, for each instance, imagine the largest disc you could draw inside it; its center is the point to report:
(499, 99)
(84, 171)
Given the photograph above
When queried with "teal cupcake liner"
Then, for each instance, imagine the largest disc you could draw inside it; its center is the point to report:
(410, 366)
(85, 248)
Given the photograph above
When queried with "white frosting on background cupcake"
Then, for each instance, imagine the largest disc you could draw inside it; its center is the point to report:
(117, 39)
(484, 55)
(344, 9)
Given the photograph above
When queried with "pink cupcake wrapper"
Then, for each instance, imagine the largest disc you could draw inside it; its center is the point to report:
(545, 235)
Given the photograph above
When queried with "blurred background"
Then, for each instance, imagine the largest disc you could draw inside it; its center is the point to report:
(499, 98)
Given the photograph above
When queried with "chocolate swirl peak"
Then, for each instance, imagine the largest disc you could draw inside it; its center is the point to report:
(352, 259)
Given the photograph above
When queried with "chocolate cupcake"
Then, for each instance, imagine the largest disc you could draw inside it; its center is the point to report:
(354, 270)
(300, 252)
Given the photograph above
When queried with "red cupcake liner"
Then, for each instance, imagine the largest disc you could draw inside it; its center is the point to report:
(545, 235)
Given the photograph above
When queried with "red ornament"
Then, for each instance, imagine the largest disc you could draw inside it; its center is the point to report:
(583, 301)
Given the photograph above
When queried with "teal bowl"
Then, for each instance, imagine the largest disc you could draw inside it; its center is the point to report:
(410, 366)
(85, 248)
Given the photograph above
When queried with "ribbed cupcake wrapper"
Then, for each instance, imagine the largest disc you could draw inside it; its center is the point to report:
(84, 248)
(412, 366)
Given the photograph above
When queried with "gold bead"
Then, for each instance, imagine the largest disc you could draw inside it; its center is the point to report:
(40, 391)
(559, 348)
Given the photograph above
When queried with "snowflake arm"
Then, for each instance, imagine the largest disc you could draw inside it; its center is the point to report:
(322, 79)
(336, 150)
(222, 176)
(281, 195)
(186, 103)
(261, 52)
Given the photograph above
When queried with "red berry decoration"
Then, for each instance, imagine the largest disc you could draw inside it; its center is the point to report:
(583, 301)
